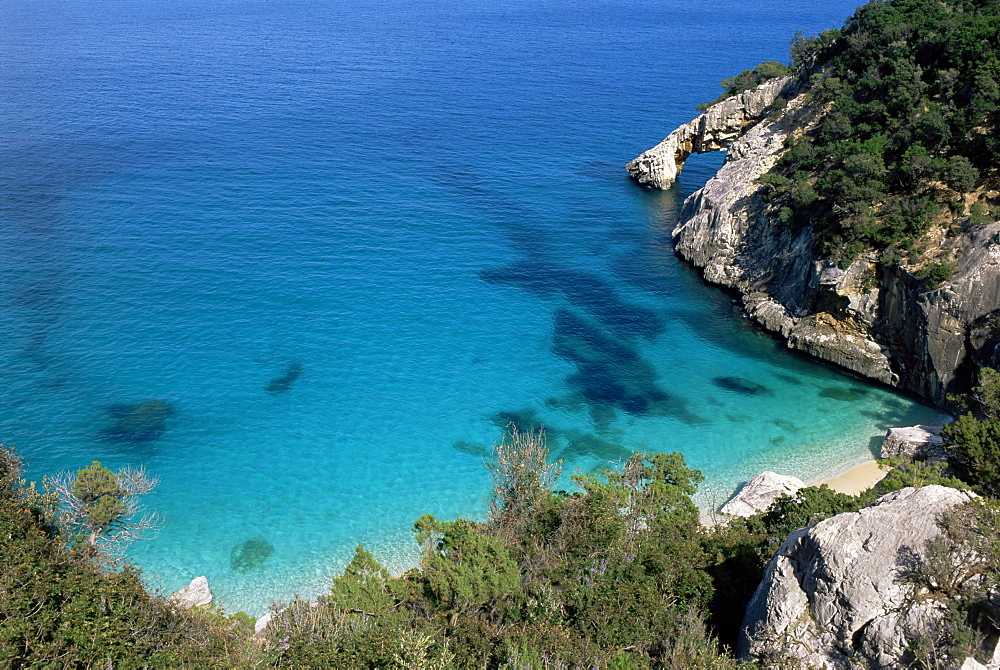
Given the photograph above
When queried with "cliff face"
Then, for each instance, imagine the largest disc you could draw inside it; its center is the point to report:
(873, 319)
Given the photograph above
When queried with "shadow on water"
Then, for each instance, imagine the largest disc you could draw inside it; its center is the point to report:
(137, 423)
(284, 382)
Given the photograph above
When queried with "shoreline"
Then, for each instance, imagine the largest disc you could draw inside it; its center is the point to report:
(854, 477)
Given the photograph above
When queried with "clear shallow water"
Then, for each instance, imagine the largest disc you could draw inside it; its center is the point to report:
(346, 242)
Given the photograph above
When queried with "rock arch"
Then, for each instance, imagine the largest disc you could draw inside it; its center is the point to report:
(714, 130)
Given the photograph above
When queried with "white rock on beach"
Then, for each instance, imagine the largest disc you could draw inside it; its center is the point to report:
(758, 493)
(914, 441)
(195, 594)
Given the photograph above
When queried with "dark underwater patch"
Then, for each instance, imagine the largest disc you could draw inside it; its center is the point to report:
(610, 373)
(247, 555)
(284, 382)
(470, 448)
(786, 426)
(852, 394)
(524, 420)
(582, 444)
(137, 423)
(788, 379)
(584, 291)
(742, 385)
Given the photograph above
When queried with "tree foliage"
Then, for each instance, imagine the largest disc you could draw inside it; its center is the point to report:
(102, 507)
(611, 575)
(912, 106)
(749, 79)
(60, 610)
(973, 440)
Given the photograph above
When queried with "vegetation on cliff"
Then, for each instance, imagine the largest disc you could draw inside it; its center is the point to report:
(58, 608)
(908, 137)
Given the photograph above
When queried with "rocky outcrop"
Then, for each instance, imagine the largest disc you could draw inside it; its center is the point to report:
(714, 130)
(758, 493)
(921, 442)
(836, 593)
(873, 319)
(195, 594)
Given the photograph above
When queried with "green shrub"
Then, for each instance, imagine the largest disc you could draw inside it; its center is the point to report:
(58, 609)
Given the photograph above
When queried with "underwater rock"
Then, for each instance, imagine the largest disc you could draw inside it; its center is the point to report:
(742, 386)
(142, 422)
(583, 290)
(580, 444)
(846, 395)
(524, 420)
(283, 383)
(610, 373)
(248, 555)
(789, 379)
(786, 425)
(471, 448)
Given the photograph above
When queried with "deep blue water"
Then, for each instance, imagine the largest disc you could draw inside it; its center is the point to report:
(346, 242)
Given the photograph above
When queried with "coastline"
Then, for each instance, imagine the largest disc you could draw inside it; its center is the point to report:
(854, 477)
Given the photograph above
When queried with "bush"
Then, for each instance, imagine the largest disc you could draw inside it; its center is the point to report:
(57, 609)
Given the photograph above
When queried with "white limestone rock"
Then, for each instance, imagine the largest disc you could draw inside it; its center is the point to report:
(195, 594)
(923, 442)
(832, 596)
(261, 623)
(758, 493)
(714, 130)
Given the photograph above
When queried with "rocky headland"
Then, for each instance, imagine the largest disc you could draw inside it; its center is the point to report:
(877, 319)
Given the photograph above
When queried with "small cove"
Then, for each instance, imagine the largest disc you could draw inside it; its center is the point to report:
(304, 262)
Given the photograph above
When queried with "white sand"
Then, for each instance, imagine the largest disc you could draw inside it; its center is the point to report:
(855, 478)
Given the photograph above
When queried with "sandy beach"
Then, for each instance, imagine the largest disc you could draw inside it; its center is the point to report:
(855, 478)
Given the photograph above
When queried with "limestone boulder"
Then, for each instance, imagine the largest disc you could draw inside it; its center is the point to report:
(195, 594)
(921, 442)
(758, 493)
(835, 595)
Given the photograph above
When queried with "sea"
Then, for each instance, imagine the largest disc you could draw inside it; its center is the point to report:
(304, 261)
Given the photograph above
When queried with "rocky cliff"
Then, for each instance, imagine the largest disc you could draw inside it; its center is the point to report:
(714, 130)
(837, 595)
(873, 318)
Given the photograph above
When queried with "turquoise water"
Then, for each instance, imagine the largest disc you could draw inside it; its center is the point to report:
(344, 243)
